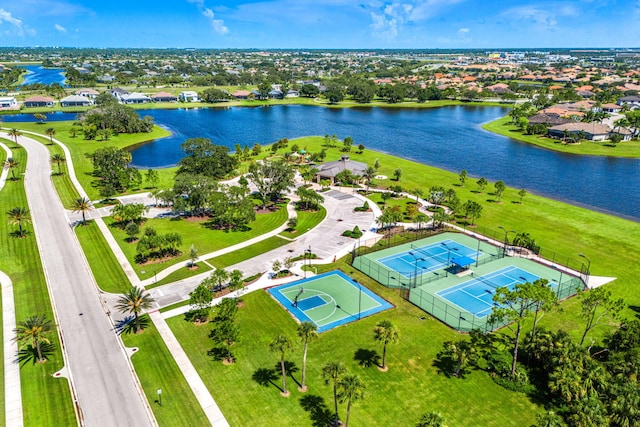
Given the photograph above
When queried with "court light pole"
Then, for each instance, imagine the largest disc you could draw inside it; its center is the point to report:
(446, 270)
(506, 238)
(588, 268)
(415, 269)
(307, 254)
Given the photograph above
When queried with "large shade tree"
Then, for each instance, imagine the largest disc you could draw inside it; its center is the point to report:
(135, 301)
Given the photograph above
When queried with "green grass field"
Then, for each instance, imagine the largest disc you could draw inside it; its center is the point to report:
(195, 232)
(504, 127)
(248, 252)
(46, 400)
(306, 221)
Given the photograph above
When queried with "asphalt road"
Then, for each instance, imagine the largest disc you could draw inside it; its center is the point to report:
(106, 389)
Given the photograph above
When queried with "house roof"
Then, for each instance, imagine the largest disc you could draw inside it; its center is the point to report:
(331, 169)
(87, 91)
(611, 106)
(135, 95)
(548, 119)
(588, 128)
(163, 95)
(76, 98)
(39, 98)
(241, 93)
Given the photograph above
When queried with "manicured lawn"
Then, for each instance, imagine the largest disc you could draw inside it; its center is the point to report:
(79, 147)
(46, 400)
(106, 268)
(195, 232)
(504, 127)
(156, 369)
(233, 258)
(307, 220)
(183, 273)
(411, 387)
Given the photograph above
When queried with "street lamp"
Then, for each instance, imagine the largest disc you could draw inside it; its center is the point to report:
(160, 396)
(588, 268)
(506, 238)
(446, 270)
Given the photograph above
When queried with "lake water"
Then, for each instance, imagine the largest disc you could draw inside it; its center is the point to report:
(42, 75)
(449, 138)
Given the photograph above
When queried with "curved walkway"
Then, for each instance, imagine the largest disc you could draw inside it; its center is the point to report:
(100, 372)
(12, 389)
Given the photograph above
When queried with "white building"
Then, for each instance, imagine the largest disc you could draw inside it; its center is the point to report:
(189, 96)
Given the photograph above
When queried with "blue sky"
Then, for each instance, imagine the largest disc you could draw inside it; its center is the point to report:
(320, 23)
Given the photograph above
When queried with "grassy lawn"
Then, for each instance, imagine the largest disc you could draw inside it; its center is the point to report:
(204, 239)
(106, 269)
(46, 400)
(411, 387)
(156, 369)
(183, 273)
(233, 258)
(504, 127)
(307, 220)
(401, 202)
(79, 147)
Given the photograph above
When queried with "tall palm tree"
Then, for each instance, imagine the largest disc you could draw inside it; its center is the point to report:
(282, 344)
(82, 204)
(15, 133)
(333, 372)
(57, 159)
(50, 132)
(307, 331)
(32, 330)
(11, 164)
(385, 332)
(19, 215)
(135, 301)
(350, 389)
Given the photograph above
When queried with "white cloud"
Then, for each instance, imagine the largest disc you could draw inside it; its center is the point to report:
(60, 28)
(383, 26)
(6, 17)
(217, 24)
(463, 31)
(541, 15)
(423, 10)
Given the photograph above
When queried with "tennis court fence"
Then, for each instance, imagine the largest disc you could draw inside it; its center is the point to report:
(463, 321)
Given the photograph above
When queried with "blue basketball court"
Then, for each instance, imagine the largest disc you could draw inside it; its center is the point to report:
(476, 295)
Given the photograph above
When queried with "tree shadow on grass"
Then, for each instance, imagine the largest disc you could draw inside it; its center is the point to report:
(446, 366)
(318, 411)
(366, 357)
(219, 353)
(30, 354)
(19, 235)
(291, 369)
(636, 310)
(266, 377)
(128, 325)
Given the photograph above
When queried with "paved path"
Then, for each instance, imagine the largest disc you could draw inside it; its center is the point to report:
(100, 372)
(12, 393)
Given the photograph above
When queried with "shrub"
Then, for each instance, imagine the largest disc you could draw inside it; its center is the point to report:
(363, 208)
(354, 234)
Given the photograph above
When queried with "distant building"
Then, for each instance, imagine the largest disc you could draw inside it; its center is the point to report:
(164, 97)
(8, 102)
(329, 170)
(241, 94)
(590, 131)
(189, 96)
(135, 98)
(39, 101)
(631, 101)
(75, 101)
(118, 93)
(87, 93)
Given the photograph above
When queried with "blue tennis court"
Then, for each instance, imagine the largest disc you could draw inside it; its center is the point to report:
(476, 295)
(424, 259)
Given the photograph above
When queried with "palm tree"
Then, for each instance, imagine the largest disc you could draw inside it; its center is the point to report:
(307, 331)
(19, 216)
(282, 344)
(333, 372)
(368, 176)
(350, 389)
(134, 301)
(385, 332)
(57, 159)
(11, 164)
(82, 204)
(50, 132)
(15, 133)
(32, 330)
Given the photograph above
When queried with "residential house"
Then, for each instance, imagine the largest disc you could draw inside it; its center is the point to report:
(75, 101)
(8, 102)
(164, 97)
(135, 98)
(292, 94)
(88, 93)
(39, 101)
(118, 93)
(241, 94)
(329, 170)
(632, 101)
(590, 131)
(276, 94)
(548, 119)
(189, 96)
(611, 108)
